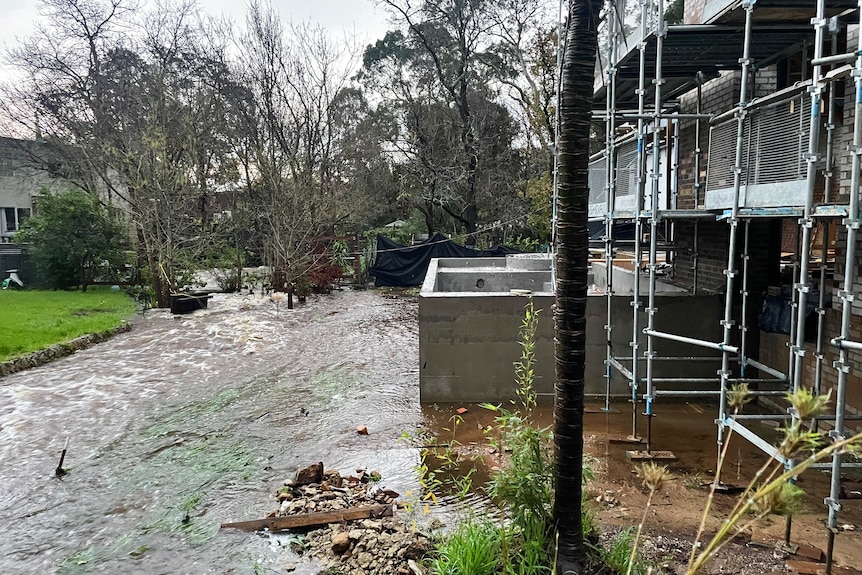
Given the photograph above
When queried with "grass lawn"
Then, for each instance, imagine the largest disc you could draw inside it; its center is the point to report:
(33, 319)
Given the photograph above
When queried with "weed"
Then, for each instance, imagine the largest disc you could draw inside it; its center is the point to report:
(771, 491)
(617, 555)
(473, 549)
(654, 477)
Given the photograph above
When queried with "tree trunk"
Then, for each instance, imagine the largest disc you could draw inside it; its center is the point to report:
(576, 96)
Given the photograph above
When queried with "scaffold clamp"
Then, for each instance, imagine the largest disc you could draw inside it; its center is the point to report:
(851, 223)
(842, 366)
(846, 296)
(833, 504)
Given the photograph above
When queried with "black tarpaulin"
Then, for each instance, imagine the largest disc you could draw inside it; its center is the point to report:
(397, 265)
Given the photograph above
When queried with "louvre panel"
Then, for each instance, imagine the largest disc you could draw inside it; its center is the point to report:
(780, 141)
(722, 155)
(627, 169)
(775, 141)
(598, 181)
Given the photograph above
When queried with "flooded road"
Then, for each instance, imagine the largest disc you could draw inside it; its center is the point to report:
(200, 416)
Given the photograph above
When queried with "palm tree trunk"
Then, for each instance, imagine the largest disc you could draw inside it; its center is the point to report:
(576, 97)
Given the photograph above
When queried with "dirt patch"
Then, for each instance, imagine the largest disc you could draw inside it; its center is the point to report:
(688, 431)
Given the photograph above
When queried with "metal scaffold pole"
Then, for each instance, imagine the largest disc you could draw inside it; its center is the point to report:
(828, 175)
(730, 273)
(743, 323)
(651, 310)
(614, 14)
(803, 286)
(641, 182)
(698, 183)
(846, 295)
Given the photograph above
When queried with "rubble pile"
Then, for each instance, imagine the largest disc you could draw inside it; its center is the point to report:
(375, 544)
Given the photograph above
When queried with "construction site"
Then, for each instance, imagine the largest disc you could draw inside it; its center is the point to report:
(729, 166)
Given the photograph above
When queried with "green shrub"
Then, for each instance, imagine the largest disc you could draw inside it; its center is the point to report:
(473, 549)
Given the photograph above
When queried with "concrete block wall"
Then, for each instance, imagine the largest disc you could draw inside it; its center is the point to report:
(468, 343)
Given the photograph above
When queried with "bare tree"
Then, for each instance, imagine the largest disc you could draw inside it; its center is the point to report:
(120, 97)
(450, 33)
(294, 76)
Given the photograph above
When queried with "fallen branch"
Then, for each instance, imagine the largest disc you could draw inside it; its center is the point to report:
(60, 472)
(311, 519)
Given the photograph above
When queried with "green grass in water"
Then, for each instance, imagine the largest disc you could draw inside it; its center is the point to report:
(34, 319)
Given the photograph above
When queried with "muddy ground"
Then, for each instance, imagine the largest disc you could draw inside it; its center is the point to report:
(687, 431)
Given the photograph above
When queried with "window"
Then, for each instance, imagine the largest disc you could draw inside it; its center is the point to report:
(13, 218)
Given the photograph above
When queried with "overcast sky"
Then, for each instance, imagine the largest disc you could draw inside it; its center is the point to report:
(359, 17)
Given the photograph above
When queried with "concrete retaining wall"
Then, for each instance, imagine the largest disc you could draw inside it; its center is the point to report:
(468, 343)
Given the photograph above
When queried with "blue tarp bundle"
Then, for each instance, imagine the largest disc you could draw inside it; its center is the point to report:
(397, 265)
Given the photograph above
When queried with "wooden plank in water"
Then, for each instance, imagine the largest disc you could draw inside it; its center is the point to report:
(651, 456)
(625, 439)
(311, 519)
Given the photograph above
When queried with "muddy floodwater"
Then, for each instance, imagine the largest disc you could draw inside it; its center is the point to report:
(187, 422)
(190, 421)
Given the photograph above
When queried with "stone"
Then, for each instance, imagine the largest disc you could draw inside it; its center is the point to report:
(311, 474)
(355, 534)
(333, 478)
(418, 549)
(361, 430)
(340, 543)
(365, 560)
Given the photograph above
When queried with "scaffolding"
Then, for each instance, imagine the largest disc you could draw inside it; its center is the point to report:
(768, 157)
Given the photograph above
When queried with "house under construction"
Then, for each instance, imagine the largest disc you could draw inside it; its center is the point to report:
(730, 166)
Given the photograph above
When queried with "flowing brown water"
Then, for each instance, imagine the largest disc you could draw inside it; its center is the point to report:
(202, 414)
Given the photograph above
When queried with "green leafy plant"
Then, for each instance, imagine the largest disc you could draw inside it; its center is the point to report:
(226, 266)
(617, 555)
(74, 238)
(524, 485)
(473, 549)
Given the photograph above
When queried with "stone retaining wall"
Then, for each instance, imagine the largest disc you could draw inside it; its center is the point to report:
(59, 350)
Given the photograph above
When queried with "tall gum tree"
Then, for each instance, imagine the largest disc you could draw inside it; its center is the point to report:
(450, 33)
(576, 97)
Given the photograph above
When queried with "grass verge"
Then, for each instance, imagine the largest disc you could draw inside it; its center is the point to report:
(34, 319)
